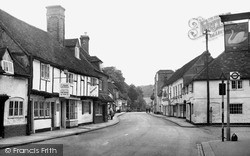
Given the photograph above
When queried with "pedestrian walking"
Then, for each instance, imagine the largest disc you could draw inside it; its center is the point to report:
(111, 113)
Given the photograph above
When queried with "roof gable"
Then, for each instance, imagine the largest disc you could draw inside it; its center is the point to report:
(181, 71)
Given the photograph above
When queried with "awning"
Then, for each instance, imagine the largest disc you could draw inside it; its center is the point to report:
(44, 94)
(105, 98)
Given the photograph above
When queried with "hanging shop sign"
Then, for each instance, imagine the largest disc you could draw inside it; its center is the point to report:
(236, 37)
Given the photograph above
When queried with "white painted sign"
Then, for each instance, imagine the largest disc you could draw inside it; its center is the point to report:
(64, 90)
(234, 75)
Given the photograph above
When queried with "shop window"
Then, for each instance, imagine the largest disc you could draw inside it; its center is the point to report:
(235, 108)
(15, 108)
(98, 110)
(71, 110)
(86, 107)
(41, 109)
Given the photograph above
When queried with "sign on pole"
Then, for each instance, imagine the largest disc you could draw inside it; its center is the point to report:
(234, 75)
(64, 90)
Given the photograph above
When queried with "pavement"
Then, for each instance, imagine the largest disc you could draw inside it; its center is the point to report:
(217, 147)
(228, 148)
(37, 137)
(179, 121)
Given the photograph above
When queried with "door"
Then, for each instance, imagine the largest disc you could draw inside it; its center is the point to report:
(1, 118)
(53, 115)
(2, 103)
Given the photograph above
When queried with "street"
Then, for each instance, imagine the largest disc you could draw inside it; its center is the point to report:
(138, 133)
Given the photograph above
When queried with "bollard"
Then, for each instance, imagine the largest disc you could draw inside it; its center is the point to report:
(234, 137)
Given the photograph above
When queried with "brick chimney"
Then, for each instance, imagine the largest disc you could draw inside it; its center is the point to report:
(56, 22)
(85, 42)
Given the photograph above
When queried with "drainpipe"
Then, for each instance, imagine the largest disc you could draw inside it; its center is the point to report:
(30, 78)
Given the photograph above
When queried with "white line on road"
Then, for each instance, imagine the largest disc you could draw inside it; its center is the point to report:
(200, 151)
(105, 143)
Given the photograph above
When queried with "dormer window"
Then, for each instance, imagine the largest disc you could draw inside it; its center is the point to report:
(7, 62)
(77, 52)
(7, 66)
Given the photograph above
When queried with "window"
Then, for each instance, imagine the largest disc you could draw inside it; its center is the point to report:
(190, 88)
(41, 109)
(235, 108)
(70, 78)
(7, 66)
(77, 52)
(164, 93)
(36, 109)
(45, 71)
(47, 109)
(71, 109)
(93, 81)
(237, 84)
(82, 85)
(100, 85)
(98, 110)
(192, 108)
(86, 107)
(16, 108)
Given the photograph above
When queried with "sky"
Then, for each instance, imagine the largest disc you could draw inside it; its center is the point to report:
(138, 37)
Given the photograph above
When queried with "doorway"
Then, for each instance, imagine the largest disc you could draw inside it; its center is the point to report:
(3, 98)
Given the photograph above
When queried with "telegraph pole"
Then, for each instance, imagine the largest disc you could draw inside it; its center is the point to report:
(222, 92)
(228, 110)
(208, 92)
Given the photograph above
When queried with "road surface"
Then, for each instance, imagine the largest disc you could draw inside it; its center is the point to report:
(137, 134)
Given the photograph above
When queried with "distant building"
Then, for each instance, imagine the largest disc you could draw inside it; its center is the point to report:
(177, 88)
(160, 77)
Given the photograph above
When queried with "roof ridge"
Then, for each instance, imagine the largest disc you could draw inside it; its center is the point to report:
(179, 72)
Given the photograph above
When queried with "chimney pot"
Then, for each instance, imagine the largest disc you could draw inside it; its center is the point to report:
(85, 42)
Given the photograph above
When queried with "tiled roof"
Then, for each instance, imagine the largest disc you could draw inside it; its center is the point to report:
(228, 62)
(95, 59)
(41, 45)
(181, 71)
(2, 51)
(70, 42)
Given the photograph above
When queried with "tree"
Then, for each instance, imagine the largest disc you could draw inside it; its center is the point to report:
(117, 77)
(133, 94)
(136, 96)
